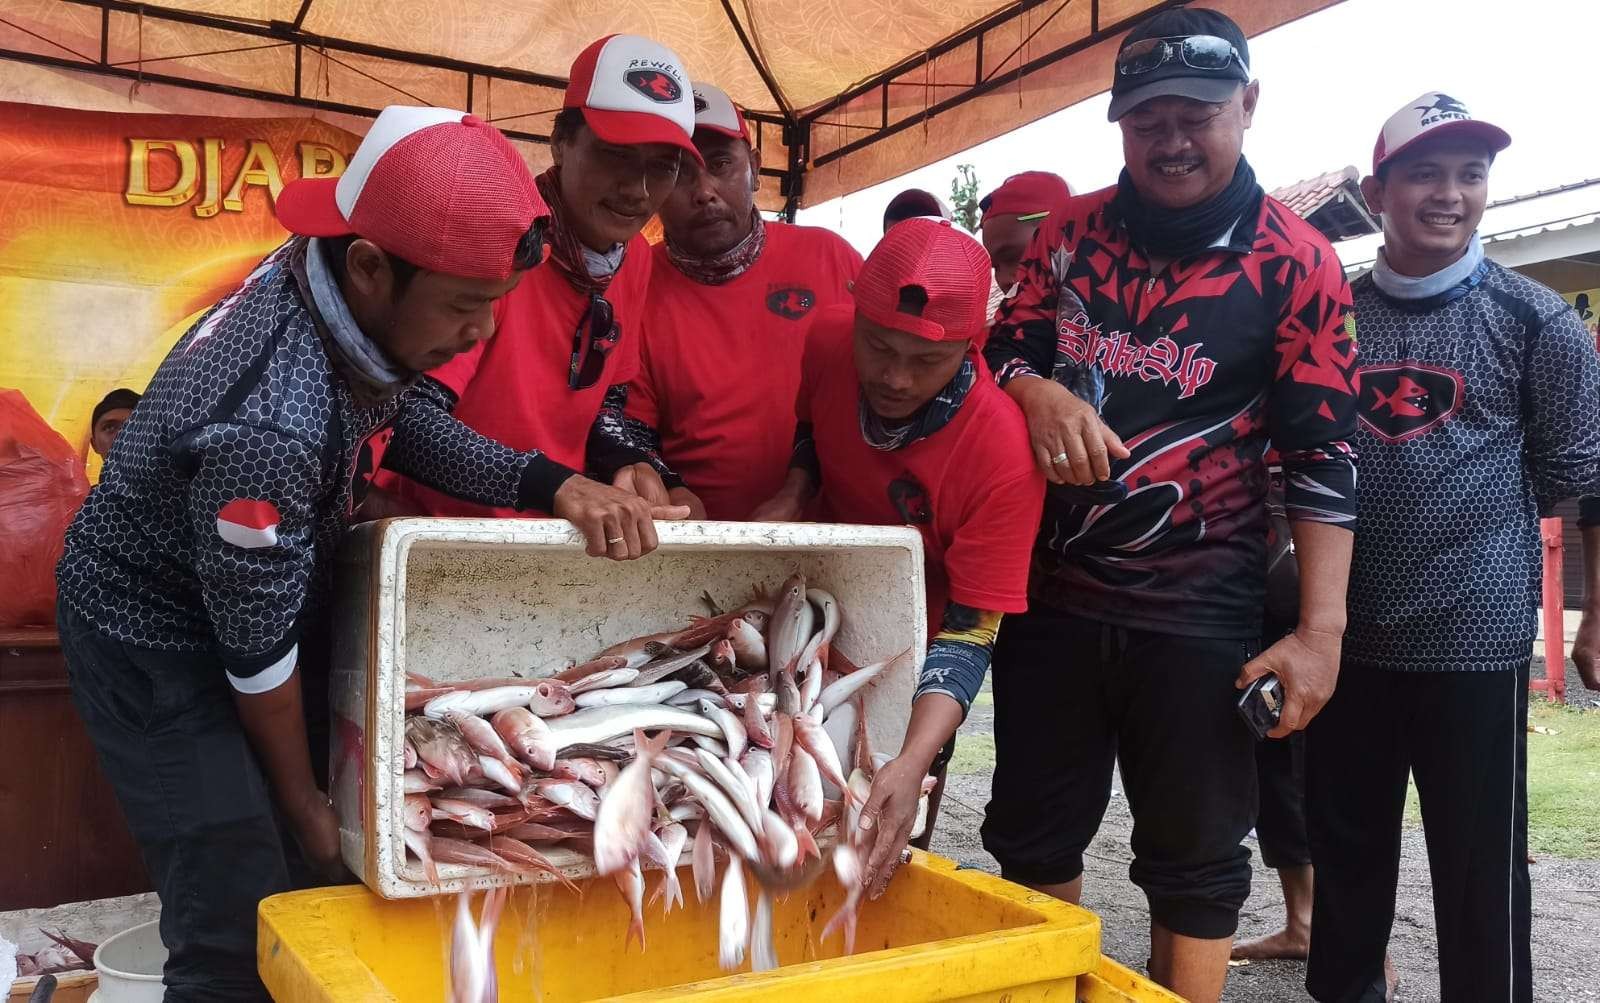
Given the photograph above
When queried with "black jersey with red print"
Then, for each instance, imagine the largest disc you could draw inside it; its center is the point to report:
(1196, 367)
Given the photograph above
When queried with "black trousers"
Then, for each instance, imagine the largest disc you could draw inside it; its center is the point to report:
(1281, 821)
(1463, 737)
(170, 743)
(1072, 696)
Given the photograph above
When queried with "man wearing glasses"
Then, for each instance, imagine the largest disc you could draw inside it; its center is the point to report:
(1164, 330)
(555, 376)
(731, 299)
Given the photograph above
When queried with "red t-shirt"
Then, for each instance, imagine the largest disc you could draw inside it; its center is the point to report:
(971, 487)
(719, 365)
(513, 387)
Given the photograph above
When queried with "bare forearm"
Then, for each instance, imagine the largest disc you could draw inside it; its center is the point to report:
(1323, 553)
(275, 723)
(934, 718)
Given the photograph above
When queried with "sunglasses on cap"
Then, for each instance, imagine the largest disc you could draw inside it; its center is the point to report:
(1198, 52)
(530, 249)
(596, 336)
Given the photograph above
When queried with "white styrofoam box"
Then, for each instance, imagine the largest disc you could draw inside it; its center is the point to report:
(461, 598)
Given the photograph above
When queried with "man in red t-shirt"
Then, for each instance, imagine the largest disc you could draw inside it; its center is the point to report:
(554, 378)
(900, 422)
(731, 298)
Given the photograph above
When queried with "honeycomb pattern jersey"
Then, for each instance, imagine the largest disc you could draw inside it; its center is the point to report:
(1479, 409)
(214, 524)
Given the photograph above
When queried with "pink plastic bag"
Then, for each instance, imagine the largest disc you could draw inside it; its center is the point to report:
(42, 483)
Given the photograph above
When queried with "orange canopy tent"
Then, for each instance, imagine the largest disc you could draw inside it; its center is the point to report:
(841, 94)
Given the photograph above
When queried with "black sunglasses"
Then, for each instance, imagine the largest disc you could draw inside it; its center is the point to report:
(1198, 52)
(530, 249)
(596, 336)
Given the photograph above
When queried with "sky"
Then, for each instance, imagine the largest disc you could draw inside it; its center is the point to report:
(1328, 81)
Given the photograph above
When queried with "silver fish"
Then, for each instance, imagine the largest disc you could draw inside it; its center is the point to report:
(717, 804)
(498, 773)
(704, 859)
(480, 703)
(763, 946)
(593, 725)
(758, 765)
(732, 728)
(630, 880)
(604, 680)
(734, 786)
(661, 668)
(691, 697)
(805, 783)
(571, 795)
(653, 694)
(845, 687)
(784, 637)
(749, 645)
(673, 839)
(733, 927)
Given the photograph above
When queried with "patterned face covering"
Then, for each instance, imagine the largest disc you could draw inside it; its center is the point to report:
(934, 415)
(727, 266)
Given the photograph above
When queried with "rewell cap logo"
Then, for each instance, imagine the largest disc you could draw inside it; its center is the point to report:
(791, 302)
(1402, 401)
(1443, 107)
(700, 104)
(655, 85)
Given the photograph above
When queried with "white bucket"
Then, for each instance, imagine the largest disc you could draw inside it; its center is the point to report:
(129, 965)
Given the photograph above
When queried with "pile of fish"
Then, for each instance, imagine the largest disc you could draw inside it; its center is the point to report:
(741, 735)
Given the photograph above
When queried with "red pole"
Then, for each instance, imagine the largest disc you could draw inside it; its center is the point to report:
(1555, 631)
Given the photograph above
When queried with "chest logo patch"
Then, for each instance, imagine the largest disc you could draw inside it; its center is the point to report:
(1408, 399)
(910, 499)
(249, 523)
(369, 457)
(791, 302)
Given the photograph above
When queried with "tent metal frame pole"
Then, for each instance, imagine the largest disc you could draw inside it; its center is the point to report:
(792, 182)
(1000, 80)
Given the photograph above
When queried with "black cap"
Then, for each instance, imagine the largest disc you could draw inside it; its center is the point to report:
(1174, 78)
(911, 203)
(117, 399)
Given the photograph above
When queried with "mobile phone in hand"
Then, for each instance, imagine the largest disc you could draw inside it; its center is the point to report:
(1262, 704)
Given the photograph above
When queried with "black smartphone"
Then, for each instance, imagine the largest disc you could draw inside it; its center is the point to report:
(1261, 704)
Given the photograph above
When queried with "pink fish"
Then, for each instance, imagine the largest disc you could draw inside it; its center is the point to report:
(482, 738)
(417, 812)
(527, 736)
(571, 795)
(630, 881)
(755, 723)
(815, 740)
(624, 816)
(420, 844)
(519, 852)
(441, 750)
(603, 664)
(497, 773)
(460, 811)
(847, 867)
(472, 974)
(673, 839)
(805, 784)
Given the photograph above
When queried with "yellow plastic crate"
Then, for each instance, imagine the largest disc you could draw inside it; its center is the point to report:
(938, 934)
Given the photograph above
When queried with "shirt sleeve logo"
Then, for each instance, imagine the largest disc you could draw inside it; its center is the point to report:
(1408, 399)
(249, 523)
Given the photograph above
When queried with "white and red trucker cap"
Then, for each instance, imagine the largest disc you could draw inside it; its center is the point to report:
(715, 110)
(1429, 117)
(440, 188)
(633, 90)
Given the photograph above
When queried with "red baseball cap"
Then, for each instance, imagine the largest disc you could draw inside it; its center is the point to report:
(1429, 117)
(949, 266)
(715, 110)
(1028, 196)
(633, 90)
(440, 188)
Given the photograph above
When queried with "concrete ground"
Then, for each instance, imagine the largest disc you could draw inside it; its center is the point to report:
(1566, 893)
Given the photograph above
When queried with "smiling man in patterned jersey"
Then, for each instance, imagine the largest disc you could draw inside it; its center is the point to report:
(1164, 331)
(1480, 409)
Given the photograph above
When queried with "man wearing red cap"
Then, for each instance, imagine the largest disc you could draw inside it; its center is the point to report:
(900, 423)
(555, 376)
(1165, 330)
(1479, 411)
(1012, 214)
(196, 573)
(731, 298)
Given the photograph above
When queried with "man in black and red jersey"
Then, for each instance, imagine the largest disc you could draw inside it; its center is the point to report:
(1164, 331)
